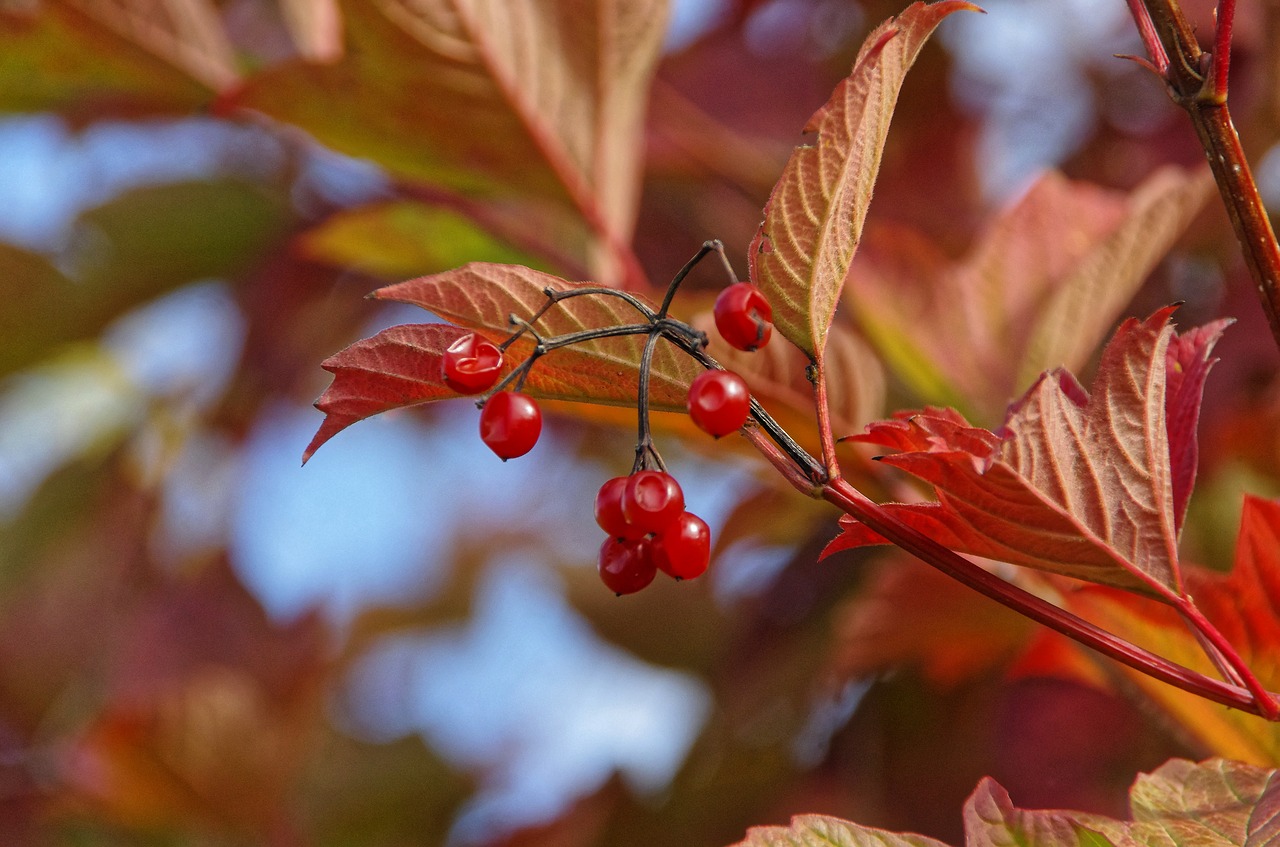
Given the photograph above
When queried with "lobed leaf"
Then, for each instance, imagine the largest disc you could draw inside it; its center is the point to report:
(1075, 484)
(813, 219)
(1186, 368)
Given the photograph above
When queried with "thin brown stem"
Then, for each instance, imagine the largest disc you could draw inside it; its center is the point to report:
(1205, 101)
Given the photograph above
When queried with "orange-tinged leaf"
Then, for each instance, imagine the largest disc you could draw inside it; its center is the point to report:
(813, 220)
(1042, 284)
(1073, 484)
(483, 296)
(1244, 606)
(910, 613)
(502, 94)
(401, 366)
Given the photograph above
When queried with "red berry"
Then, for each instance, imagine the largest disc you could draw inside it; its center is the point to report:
(684, 549)
(743, 316)
(626, 566)
(609, 510)
(652, 500)
(719, 402)
(510, 424)
(471, 364)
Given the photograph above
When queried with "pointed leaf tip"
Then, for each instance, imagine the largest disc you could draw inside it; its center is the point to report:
(813, 219)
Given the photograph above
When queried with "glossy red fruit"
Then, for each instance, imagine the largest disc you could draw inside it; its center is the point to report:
(652, 500)
(719, 402)
(743, 316)
(684, 549)
(510, 424)
(626, 566)
(471, 364)
(609, 510)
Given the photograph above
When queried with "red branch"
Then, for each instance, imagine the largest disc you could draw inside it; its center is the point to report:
(854, 503)
(1171, 41)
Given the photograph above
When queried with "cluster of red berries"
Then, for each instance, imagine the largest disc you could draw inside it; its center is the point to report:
(649, 531)
(643, 514)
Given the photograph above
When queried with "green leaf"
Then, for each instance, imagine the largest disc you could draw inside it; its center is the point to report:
(126, 252)
(813, 220)
(65, 58)
(156, 237)
(991, 820)
(402, 238)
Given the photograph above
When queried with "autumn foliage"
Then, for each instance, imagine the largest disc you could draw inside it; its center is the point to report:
(997, 534)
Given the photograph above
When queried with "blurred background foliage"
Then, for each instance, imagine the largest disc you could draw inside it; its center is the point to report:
(405, 642)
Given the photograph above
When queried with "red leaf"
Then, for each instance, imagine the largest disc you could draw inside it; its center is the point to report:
(1188, 366)
(400, 366)
(483, 296)
(1244, 605)
(1073, 484)
(397, 367)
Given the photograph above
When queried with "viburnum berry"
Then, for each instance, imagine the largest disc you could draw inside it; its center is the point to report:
(471, 364)
(510, 424)
(652, 500)
(683, 549)
(719, 402)
(626, 565)
(743, 316)
(609, 510)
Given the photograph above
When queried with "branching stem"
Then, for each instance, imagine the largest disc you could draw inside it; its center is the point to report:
(1200, 88)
